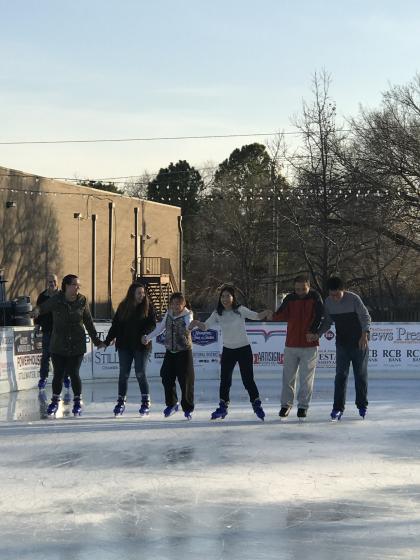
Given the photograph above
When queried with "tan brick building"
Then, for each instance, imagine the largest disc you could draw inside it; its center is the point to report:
(105, 238)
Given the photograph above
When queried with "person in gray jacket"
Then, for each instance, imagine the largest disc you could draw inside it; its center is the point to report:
(352, 324)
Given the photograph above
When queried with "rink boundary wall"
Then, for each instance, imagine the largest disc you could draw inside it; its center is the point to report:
(394, 347)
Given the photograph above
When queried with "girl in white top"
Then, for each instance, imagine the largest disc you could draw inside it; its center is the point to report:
(230, 316)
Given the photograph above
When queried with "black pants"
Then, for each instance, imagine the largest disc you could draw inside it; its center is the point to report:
(230, 357)
(45, 357)
(66, 366)
(178, 365)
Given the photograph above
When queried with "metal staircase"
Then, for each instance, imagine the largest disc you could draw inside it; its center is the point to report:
(157, 275)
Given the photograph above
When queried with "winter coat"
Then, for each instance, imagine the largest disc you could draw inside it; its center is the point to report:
(303, 315)
(128, 332)
(68, 336)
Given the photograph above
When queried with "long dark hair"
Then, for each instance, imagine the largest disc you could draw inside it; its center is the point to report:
(128, 306)
(67, 281)
(235, 303)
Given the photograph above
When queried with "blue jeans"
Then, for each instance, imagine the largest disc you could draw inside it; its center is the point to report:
(358, 358)
(45, 357)
(126, 358)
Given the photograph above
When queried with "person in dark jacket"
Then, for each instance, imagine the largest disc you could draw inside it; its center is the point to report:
(71, 314)
(303, 311)
(44, 324)
(135, 317)
(352, 326)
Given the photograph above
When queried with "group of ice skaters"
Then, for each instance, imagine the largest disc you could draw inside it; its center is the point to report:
(134, 326)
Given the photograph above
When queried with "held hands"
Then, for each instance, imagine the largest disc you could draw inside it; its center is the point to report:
(266, 315)
(145, 339)
(100, 345)
(312, 337)
(195, 323)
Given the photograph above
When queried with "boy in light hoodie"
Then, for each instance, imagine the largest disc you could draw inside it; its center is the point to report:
(178, 360)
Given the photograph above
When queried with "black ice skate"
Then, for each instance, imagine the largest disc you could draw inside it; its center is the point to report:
(145, 405)
(258, 409)
(53, 406)
(220, 412)
(284, 411)
(77, 406)
(119, 407)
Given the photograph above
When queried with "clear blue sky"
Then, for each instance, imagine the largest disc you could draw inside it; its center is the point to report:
(78, 69)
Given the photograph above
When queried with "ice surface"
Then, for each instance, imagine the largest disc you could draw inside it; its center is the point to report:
(105, 488)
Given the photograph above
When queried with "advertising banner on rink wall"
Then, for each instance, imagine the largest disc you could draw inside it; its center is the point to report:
(392, 347)
(206, 353)
(27, 351)
(7, 383)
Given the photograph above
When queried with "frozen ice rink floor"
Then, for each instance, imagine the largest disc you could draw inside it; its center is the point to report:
(101, 488)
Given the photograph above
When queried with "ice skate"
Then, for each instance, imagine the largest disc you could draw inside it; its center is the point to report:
(188, 414)
(145, 405)
(42, 383)
(284, 411)
(170, 410)
(220, 412)
(362, 412)
(77, 406)
(258, 409)
(53, 406)
(336, 415)
(66, 382)
(119, 407)
(301, 414)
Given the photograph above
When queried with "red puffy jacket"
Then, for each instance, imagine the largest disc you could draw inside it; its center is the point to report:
(302, 315)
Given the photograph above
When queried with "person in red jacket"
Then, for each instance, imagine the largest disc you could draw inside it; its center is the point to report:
(303, 311)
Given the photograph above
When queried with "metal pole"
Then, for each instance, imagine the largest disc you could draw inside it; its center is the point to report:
(78, 246)
(110, 254)
(181, 254)
(93, 305)
(136, 243)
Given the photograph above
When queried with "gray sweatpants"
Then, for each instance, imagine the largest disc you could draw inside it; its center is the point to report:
(302, 361)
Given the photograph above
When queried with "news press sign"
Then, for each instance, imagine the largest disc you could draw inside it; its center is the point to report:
(392, 346)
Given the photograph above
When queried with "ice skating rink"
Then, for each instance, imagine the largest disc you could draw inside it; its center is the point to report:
(100, 488)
